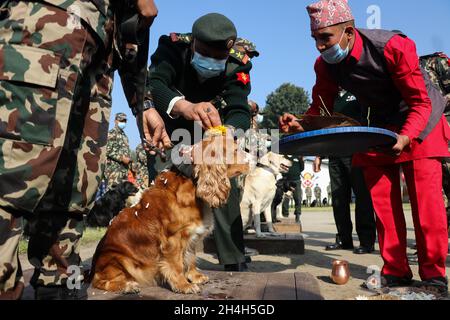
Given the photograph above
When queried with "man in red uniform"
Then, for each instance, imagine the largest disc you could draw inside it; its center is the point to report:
(381, 68)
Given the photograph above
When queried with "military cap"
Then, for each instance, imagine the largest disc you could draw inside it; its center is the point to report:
(215, 30)
(121, 117)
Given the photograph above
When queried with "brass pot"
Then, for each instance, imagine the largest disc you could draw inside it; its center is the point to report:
(341, 272)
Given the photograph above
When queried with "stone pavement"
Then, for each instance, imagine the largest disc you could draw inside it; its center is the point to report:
(319, 231)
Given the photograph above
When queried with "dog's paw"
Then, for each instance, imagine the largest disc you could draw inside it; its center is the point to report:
(187, 288)
(261, 235)
(275, 234)
(131, 288)
(197, 278)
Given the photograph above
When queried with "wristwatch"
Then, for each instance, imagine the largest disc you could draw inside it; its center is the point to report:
(148, 104)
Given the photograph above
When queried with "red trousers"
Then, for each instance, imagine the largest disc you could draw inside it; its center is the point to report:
(424, 181)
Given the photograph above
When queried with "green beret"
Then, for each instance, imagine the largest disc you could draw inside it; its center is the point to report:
(216, 30)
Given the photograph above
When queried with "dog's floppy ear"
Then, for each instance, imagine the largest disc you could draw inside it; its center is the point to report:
(210, 172)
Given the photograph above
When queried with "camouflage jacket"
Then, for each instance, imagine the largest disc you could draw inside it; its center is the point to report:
(308, 192)
(117, 148)
(142, 170)
(317, 192)
(437, 66)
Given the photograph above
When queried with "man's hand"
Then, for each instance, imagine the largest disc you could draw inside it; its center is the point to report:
(155, 130)
(203, 112)
(126, 161)
(148, 11)
(317, 165)
(402, 143)
(288, 124)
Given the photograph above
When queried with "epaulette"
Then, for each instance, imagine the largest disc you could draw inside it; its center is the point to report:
(181, 37)
(243, 50)
(435, 55)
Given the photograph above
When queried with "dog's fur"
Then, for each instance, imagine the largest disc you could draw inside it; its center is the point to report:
(110, 205)
(259, 192)
(154, 242)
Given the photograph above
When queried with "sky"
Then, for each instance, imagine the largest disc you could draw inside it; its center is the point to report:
(281, 31)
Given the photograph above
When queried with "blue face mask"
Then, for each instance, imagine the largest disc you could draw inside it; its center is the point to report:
(206, 67)
(335, 54)
(122, 125)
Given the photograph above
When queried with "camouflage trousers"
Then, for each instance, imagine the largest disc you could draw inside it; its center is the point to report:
(50, 253)
(55, 102)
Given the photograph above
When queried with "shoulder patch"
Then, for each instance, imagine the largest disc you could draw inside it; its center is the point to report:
(243, 50)
(181, 37)
(243, 77)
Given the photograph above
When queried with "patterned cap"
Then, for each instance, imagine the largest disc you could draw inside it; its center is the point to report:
(327, 13)
(121, 117)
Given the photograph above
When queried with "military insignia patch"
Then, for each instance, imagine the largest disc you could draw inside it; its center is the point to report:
(243, 77)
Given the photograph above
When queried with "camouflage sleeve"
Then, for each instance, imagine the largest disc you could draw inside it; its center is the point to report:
(141, 154)
(112, 149)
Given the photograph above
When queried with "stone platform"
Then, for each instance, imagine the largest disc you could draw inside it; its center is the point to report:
(288, 226)
(234, 286)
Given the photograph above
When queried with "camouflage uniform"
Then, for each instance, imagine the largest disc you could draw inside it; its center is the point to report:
(117, 147)
(56, 78)
(318, 195)
(308, 192)
(438, 68)
(142, 170)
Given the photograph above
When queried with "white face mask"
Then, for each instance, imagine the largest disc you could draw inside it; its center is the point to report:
(208, 67)
(259, 118)
(336, 54)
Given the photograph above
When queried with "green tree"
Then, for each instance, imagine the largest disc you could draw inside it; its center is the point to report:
(288, 98)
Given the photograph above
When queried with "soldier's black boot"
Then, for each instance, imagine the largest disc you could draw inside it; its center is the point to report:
(60, 293)
(339, 245)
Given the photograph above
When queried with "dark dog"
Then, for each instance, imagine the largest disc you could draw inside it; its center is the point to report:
(282, 187)
(110, 205)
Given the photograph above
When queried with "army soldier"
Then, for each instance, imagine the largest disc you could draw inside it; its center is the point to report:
(318, 195)
(381, 68)
(118, 153)
(55, 102)
(308, 192)
(345, 178)
(292, 178)
(204, 76)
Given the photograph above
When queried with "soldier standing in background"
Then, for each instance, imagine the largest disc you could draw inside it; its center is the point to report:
(55, 101)
(308, 192)
(318, 195)
(292, 178)
(118, 153)
(344, 178)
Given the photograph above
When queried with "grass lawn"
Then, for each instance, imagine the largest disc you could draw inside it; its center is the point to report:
(90, 235)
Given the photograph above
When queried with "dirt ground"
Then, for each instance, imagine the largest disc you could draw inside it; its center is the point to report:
(319, 230)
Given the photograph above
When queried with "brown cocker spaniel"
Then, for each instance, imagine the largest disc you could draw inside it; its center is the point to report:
(154, 242)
